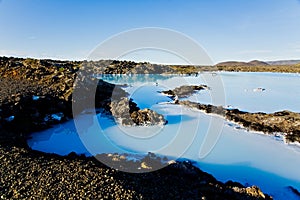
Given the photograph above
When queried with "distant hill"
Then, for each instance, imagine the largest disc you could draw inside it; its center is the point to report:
(236, 63)
(258, 63)
(284, 62)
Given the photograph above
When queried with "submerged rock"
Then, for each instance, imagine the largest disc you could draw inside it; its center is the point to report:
(294, 190)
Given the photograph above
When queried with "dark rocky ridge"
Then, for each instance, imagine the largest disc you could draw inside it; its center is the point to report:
(126, 67)
(286, 122)
(77, 176)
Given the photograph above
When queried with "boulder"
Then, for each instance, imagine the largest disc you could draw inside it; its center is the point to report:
(127, 112)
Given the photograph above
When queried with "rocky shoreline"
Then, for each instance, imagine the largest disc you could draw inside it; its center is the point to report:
(282, 122)
(36, 94)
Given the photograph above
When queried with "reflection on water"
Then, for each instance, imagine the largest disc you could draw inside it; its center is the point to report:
(279, 91)
(133, 78)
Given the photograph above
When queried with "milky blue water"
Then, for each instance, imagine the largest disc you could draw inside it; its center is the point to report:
(218, 147)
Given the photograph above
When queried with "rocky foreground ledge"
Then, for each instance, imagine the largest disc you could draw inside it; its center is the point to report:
(27, 174)
(36, 94)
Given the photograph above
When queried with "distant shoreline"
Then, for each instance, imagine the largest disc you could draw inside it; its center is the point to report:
(122, 66)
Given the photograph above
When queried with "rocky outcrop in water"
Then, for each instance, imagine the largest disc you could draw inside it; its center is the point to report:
(205, 107)
(294, 190)
(286, 122)
(184, 91)
(128, 113)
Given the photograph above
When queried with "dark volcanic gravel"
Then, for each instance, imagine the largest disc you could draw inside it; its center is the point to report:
(27, 174)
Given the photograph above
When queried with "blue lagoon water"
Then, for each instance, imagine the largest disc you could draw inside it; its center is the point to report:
(235, 154)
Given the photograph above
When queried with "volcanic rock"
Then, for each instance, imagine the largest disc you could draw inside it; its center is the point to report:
(127, 112)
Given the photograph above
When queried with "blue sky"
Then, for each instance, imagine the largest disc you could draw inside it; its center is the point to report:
(227, 30)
